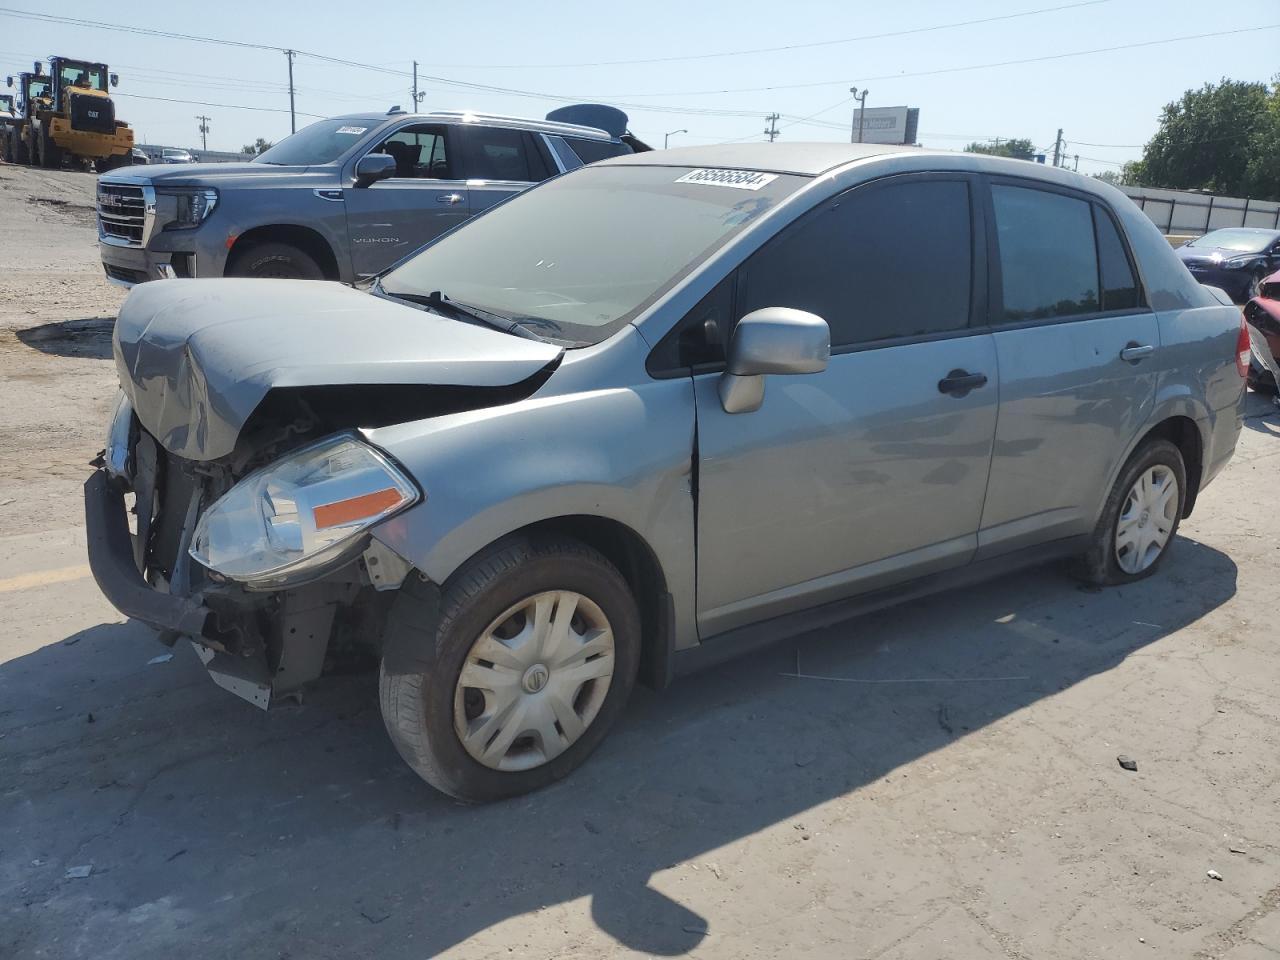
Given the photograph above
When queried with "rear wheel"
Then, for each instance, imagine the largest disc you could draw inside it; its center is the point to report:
(272, 260)
(1140, 518)
(518, 677)
(20, 152)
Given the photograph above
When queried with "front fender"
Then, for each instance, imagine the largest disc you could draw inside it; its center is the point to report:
(622, 454)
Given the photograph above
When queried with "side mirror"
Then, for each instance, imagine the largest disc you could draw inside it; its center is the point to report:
(373, 167)
(771, 340)
(8, 81)
(115, 79)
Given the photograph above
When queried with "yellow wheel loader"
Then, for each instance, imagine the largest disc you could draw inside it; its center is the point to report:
(69, 115)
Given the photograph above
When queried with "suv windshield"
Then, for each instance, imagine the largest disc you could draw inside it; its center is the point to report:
(1236, 239)
(580, 256)
(322, 142)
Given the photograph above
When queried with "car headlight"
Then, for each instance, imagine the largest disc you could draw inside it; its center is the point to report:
(191, 206)
(119, 450)
(288, 520)
(1236, 263)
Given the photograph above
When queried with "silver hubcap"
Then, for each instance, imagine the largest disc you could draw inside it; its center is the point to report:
(534, 681)
(1147, 519)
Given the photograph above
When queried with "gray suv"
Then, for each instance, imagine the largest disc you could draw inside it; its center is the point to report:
(650, 415)
(339, 200)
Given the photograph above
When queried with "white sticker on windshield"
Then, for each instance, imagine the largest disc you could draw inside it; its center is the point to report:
(354, 131)
(738, 179)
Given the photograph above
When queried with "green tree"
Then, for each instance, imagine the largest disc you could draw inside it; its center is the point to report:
(1019, 148)
(1221, 138)
(258, 146)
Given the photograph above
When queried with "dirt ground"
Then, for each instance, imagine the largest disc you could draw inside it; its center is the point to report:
(958, 798)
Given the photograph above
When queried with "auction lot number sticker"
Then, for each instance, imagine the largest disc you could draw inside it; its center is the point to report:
(738, 179)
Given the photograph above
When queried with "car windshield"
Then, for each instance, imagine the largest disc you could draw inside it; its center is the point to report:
(580, 256)
(322, 142)
(1236, 240)
(174, 153)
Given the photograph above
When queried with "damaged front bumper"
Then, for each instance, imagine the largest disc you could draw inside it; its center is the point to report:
(259, 646)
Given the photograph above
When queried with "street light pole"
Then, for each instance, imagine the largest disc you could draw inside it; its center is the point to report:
(862, 109)
(668, 136)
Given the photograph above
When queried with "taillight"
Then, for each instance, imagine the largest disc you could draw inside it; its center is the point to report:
(1242, 349)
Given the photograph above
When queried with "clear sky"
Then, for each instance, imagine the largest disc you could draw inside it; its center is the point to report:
(563, 49)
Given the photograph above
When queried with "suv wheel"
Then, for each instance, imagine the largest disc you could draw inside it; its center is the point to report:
(1140, 518)
(278, 261)
(520, 674)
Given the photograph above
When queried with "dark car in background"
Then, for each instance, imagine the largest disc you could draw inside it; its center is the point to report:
(1263, 314)
(341, 199)
(1234, 259)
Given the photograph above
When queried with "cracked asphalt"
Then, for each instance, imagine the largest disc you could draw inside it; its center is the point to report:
(960, 798)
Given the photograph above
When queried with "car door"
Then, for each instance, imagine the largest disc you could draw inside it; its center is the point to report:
(874, 470)
(499, 162)
(1077, 348)
(391, 218)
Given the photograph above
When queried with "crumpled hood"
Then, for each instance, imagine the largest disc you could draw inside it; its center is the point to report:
(196, 357)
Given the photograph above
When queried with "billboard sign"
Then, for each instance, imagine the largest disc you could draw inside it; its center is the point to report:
(887, 124)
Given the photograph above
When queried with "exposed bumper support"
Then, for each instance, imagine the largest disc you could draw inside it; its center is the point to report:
(111, 560)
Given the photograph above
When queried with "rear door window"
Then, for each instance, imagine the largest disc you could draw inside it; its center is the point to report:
(880, 262)
(1048, 258)
(1120, 290)
(496, 153)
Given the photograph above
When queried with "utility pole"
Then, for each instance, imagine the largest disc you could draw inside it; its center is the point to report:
(293, 117)
(204, 131)
(666, 137)
(771, 131)
(417, 97)
(1057, 149)
(862, 110)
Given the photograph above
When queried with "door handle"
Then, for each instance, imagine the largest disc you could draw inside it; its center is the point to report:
(1134, 352)
(449, 198)
(958, 383)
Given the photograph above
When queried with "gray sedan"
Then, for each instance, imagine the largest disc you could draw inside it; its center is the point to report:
(649, 415)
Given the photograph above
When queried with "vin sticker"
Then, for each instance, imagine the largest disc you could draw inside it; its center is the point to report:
(354, 131)
(738, 179)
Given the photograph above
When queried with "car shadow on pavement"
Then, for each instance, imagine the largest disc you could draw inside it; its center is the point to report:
(89, 338)
(300, 833)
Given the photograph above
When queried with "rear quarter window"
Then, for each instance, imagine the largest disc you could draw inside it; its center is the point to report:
(589, 151)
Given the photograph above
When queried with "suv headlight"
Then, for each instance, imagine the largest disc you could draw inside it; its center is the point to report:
(191, 206)
(288, 520)
(1236, 262)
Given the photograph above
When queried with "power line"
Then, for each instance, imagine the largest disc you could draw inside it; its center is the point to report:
(225, 106)
(943, 70)
(778, 49)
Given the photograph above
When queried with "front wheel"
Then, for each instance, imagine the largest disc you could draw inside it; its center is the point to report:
(1140, 518)
(50, 152)
(276, 261)
(530, 659)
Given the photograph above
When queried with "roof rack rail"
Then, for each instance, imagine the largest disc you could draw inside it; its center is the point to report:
(541, 126)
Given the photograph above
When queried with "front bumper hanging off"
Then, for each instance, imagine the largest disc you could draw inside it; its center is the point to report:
(111, 559)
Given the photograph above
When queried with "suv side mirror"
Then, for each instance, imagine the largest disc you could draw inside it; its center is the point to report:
(373, 167)
(771, 340)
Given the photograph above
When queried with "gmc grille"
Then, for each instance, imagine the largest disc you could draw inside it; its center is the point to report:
(122, 214)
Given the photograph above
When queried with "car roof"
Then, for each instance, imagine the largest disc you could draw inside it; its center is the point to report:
(487, 120)
(806, 159)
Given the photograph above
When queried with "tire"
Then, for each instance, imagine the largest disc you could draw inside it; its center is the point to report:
(114, 162)
(427, 708)
(277, 261)
(1105, 563)
(50, 152)
(20, 152)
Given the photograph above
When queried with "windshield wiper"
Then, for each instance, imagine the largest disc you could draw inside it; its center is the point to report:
(441, 303)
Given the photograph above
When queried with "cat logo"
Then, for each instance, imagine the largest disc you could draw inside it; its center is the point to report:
(93, 114)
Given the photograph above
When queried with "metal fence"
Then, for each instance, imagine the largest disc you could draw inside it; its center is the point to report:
(1183, 212)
